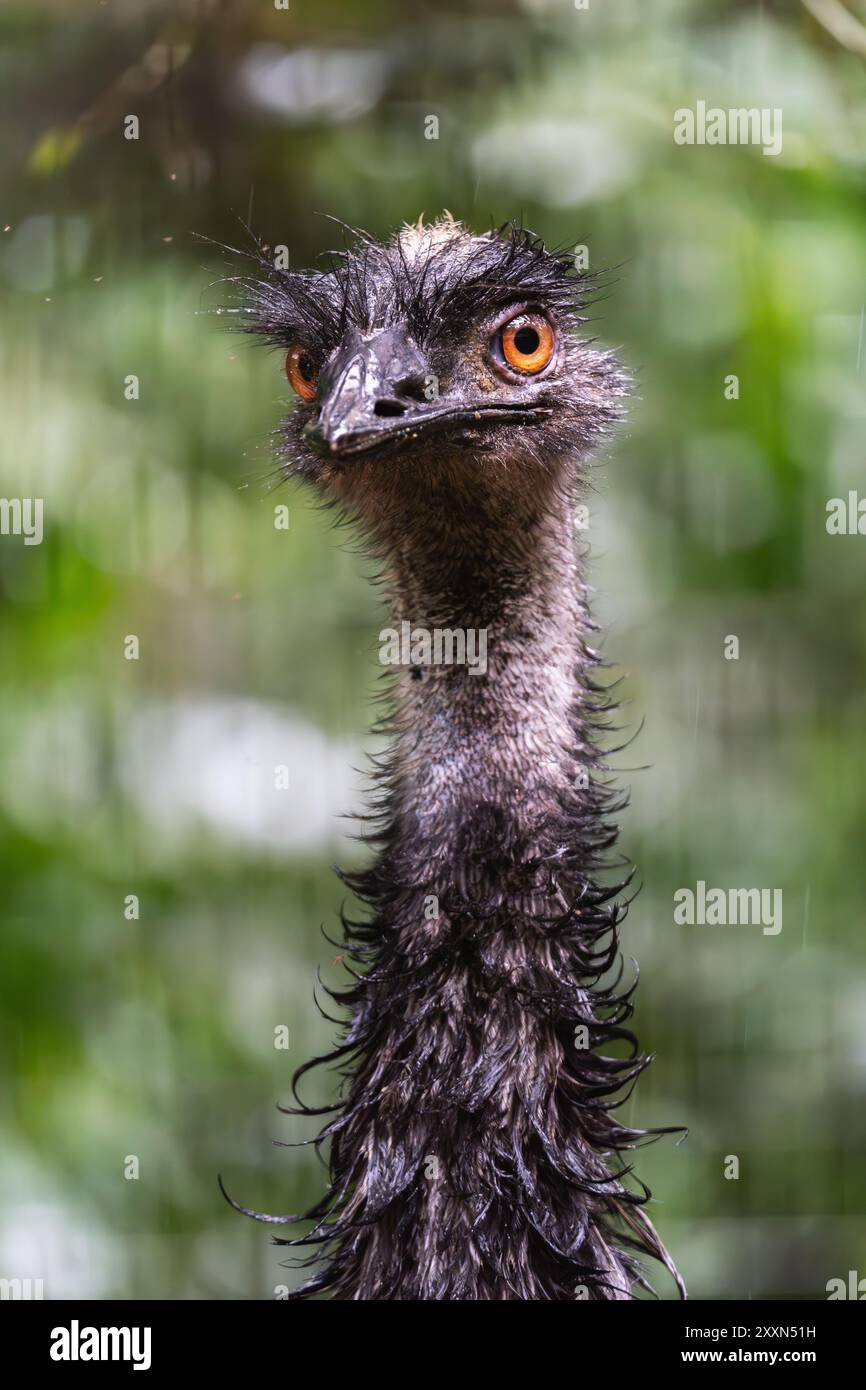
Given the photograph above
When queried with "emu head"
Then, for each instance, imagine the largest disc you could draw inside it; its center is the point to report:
(438, 360)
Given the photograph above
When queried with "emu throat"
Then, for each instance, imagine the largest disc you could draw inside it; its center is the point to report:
(502, 737)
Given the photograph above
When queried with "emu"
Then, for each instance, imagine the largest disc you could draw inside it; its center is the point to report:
(447, 403)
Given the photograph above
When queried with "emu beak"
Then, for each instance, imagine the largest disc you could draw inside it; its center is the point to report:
(372, 391)
(380, 389)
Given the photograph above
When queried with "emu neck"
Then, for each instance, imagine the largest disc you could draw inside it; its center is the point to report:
(504, 737)
(475, 1153)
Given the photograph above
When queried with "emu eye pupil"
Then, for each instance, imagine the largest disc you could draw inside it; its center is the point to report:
(526, 340)
(305, 367)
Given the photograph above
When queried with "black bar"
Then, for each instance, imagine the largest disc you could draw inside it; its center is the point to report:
(271, 1340)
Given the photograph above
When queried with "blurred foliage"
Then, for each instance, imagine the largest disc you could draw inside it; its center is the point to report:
(155, 1037)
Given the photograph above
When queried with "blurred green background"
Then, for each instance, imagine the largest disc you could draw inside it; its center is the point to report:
(154, 1037)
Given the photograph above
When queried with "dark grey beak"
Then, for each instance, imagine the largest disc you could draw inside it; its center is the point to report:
(371, 390)
(380, 389)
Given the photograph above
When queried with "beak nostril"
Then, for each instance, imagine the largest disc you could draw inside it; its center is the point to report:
(412, 386)
(388, 406)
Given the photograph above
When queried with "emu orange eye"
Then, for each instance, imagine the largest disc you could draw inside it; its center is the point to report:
(527, 343)
(301, 371)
